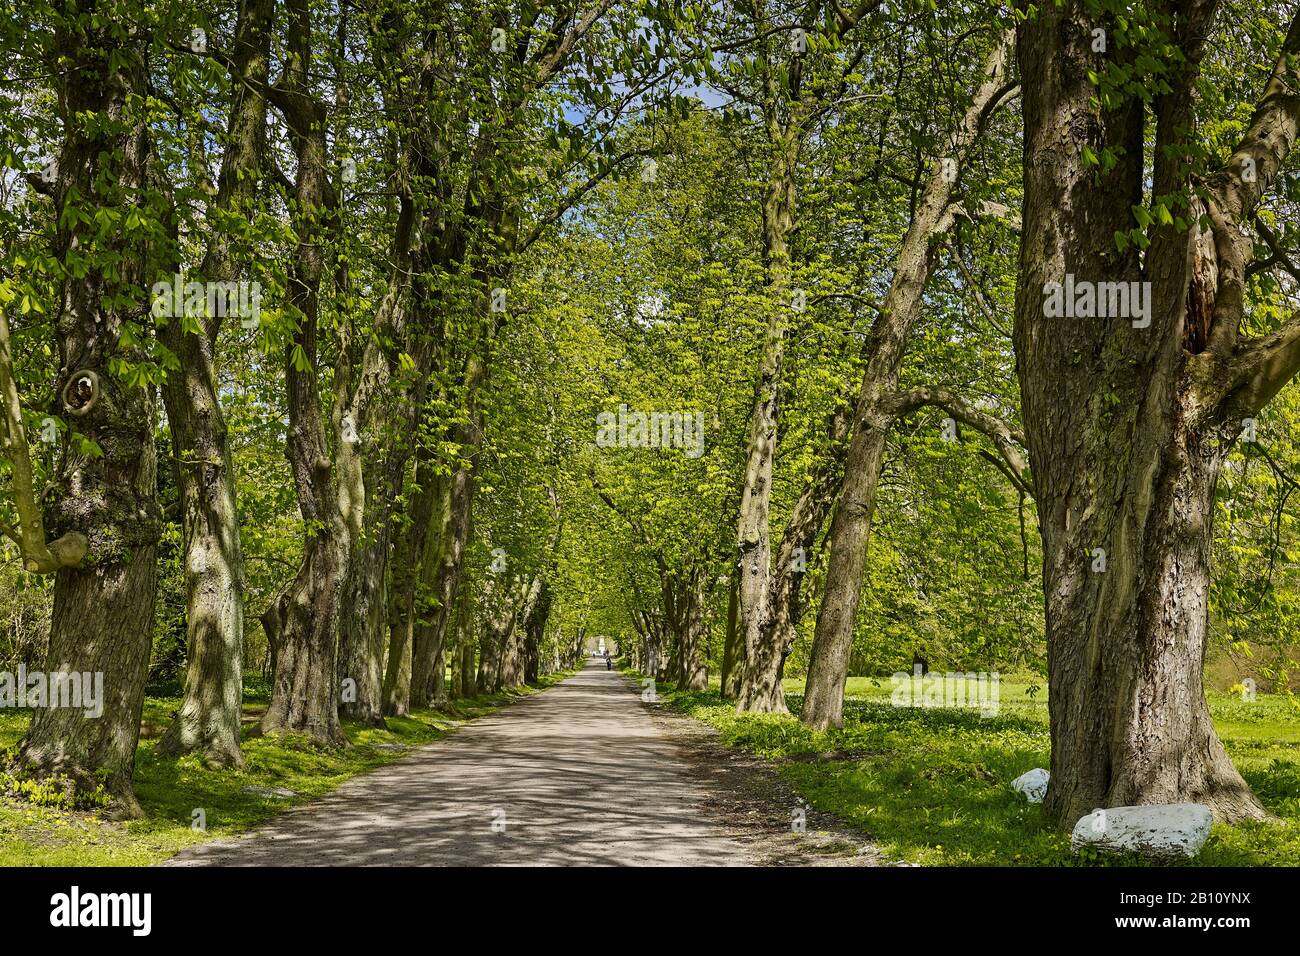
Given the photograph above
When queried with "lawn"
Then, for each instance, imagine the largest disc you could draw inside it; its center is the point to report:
(931, 785)
(172, 790)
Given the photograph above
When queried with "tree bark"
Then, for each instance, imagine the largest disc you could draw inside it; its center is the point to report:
(408, 551)
(447, 560)
(362, 629)
(489, 658)
(534, 629)
(371, 471)
(694, 673)
(466, 639)
(793, 97)
(520, 602)
(96, 628)
(760, 690)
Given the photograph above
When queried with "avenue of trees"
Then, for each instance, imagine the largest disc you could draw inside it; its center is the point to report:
(392, 349)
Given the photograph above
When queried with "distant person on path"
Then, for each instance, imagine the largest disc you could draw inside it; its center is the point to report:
(609, 662)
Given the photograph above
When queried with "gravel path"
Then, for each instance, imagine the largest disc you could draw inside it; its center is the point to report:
(580, 774)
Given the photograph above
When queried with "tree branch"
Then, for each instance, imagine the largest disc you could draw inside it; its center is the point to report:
(1006, 440)
(632, 522)
(575, 195)
(1263, 365)
(552, 60)
(38, 556)
(1232, 195)
(1268, 139)
(1279, 257)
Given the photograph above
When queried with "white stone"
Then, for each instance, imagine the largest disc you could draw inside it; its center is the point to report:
(1161, 830)
(282, 793)
(1032, 784)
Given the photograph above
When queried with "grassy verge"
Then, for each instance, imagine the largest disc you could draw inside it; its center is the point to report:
(170, 791)
(932, 785)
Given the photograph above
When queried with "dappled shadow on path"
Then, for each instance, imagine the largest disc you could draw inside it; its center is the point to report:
(577, 775)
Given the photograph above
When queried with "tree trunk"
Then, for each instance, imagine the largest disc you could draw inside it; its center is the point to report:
(534, 629)
(693, 671)
(828, 665)
(759, 688)
(850, 532)
(489, 652)
(397, 676)
(303, 695)
(1126, 647)
(408, 551)
(466, 638)
(661, 655)
(731, 666)
(368, 489)
(99, 626)
(209, 719)
(512, 658)
(370, 473)
(446, 575)
(272, 620)
(361, 640)
(102, 619)
(499, 615)
(1129, 418)
(455, 683)
(438, 688)
(208, 722)
(401, 628)
(516, 602)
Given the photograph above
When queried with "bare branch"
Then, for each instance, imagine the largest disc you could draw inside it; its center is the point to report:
(574, 196)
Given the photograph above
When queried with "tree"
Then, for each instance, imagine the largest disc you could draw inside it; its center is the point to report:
(105, 208)
(303, 622)
(1130, 414)
(798, 80)
(874, 407)
(209, 718)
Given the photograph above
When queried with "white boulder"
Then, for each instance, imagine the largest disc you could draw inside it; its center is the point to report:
(1167, 830)
(1032, 784)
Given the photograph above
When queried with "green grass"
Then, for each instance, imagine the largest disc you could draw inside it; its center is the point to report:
(170, 790)
(932, 785)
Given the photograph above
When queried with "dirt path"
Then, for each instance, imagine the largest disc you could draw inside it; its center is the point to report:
(581, 774)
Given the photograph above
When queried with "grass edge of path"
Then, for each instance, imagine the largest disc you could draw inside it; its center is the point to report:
(932, 786)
